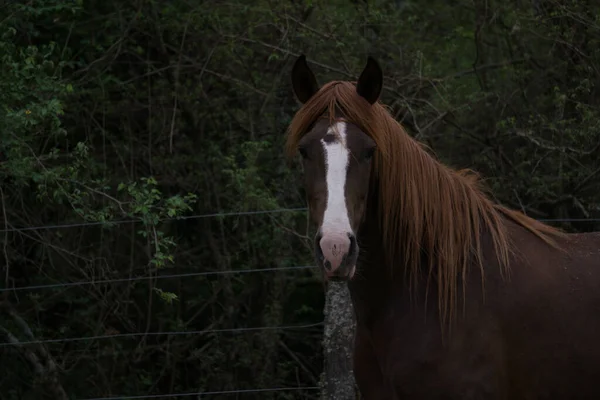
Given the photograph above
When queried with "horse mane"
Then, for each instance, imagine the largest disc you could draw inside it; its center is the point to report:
(428, 212)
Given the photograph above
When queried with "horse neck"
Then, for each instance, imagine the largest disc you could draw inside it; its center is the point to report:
(377, 281)
(373, 264)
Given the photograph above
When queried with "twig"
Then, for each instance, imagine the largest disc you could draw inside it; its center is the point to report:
(7, 274)
(546, 146)
(175, 95)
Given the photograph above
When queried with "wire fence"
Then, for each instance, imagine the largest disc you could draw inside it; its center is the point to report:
(193, 274)
(125, 221)
(198, 394)
(215, 215)
(167, 333)
(146, 278)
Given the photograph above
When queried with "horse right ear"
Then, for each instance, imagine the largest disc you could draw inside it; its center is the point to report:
(303, 80)
(370, 81)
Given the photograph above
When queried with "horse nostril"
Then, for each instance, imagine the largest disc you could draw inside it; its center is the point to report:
(318, 237)
(320, 255)
(318, 250)
(352, 243)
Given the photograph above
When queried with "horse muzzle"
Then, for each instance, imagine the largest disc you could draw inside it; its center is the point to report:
(337, 254)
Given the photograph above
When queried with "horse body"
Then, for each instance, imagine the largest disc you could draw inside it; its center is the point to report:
(456, 297)
(534, 336)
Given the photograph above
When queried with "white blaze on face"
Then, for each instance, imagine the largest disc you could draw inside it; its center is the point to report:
(335, 218)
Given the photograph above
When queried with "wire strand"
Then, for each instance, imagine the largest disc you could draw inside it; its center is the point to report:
(214, 215)
(239, 391)
(171, 333)
(143, 278)
(124, 221)
(568, 219)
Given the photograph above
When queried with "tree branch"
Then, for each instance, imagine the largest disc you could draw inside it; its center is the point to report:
(42, 363)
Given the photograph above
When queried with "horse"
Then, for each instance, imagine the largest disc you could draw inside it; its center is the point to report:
(455, 295)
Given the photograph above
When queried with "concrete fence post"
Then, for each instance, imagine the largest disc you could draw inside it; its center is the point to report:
(337, 381)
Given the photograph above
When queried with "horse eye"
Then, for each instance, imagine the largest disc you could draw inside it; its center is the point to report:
(369, 153)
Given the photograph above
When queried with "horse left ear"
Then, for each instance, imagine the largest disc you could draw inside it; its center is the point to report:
(370, 82)
(304, 82)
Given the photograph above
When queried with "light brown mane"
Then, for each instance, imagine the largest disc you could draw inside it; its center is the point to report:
(425, 207)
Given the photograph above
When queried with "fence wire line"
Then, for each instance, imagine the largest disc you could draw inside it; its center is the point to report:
(227, 214)
(124, 221)
(144, 278)
(169, 333)
(239, 391)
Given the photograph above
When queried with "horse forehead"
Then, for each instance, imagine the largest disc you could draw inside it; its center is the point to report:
(336, 134)
(349, 135)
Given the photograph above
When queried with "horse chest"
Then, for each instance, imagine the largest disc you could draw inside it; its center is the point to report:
(415, 363)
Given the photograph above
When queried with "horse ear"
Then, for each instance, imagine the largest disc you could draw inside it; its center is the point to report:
(303, 80)
(370, 82)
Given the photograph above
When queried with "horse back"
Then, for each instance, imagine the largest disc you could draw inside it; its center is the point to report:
(548, 311)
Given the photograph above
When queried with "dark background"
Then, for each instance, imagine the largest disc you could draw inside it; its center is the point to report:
(154, 109)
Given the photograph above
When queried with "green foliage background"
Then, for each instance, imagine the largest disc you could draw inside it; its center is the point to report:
(155, 109)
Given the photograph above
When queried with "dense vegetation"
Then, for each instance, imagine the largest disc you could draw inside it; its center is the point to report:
(151, 109)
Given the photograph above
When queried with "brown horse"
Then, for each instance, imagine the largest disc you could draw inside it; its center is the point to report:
(456, 297)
